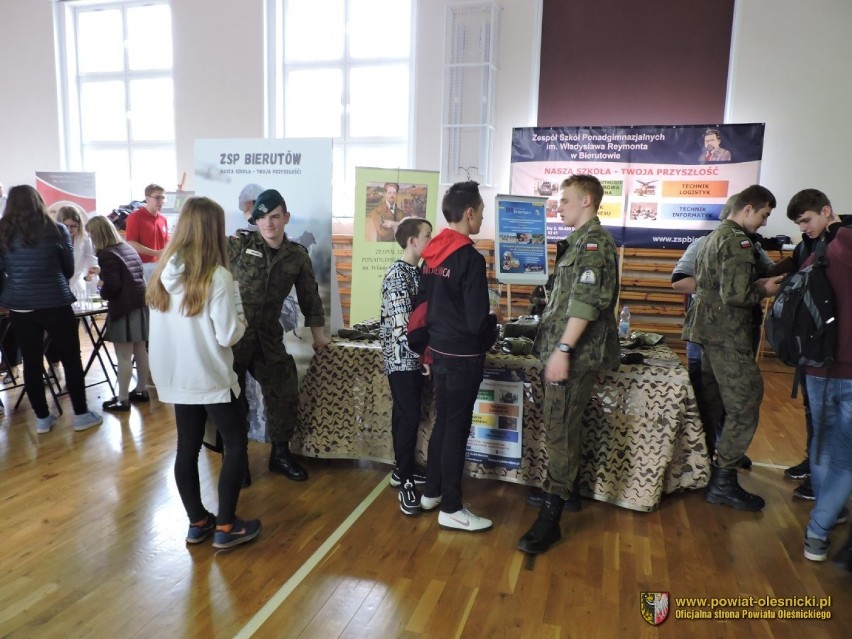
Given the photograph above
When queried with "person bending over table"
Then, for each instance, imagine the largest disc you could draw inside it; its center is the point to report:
(37, 260)
(123, 287)
(85, 268)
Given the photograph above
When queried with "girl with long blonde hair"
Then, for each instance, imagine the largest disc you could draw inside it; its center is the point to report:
(194, 324)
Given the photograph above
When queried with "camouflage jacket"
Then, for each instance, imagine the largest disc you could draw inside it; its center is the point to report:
(725, 292)
(585, 286)
(265, 277)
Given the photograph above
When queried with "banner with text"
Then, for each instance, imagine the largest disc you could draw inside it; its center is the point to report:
(520, 240)
(67, 188)
(383, 197)
(664, 186)
(496, 434)
(233, 171)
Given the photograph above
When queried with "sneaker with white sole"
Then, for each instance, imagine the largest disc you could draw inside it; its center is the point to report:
(242, 531)
(44, 424)
(463, 520)
(816, 549)
(418, 476)
(429, 503)
(87, 420)
(409, 499)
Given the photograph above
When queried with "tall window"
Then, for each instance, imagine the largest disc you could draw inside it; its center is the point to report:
(342, 69)
(118, 95)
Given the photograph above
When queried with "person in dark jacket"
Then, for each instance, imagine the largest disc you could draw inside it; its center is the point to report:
(461, 328)
(123, 287)
(37, 260)
(811, 210)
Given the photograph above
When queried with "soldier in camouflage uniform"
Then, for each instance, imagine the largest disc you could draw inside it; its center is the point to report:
(267, 265)
(720, 319)
(578, 338)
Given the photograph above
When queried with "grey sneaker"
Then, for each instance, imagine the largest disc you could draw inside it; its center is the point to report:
(87, 421)
(44, 424)
(816, 549)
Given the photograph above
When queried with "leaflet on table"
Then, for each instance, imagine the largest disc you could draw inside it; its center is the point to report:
(521, 248)
(498, 417)
(664, 186)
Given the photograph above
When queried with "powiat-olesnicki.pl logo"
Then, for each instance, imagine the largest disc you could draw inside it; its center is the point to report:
(654, 607)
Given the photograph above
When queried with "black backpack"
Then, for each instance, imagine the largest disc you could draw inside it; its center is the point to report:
(801, 325)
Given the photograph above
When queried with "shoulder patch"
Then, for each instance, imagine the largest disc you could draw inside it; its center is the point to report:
(745, 244)
(592, 246)
(588, 277)
(253, 252)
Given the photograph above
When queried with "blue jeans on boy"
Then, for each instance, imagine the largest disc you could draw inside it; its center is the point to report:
(830, 450)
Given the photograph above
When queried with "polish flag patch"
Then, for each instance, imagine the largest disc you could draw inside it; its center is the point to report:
(591, 246)
(745, 244)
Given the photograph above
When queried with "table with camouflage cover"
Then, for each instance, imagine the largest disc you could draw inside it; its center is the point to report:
(643, 434)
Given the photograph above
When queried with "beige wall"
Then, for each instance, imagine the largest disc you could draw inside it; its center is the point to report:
(788, 69)
(29, 121)
(218, 72)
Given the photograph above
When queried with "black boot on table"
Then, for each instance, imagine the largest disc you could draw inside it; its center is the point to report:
(281, 461)
(725, 489)
(545, 529)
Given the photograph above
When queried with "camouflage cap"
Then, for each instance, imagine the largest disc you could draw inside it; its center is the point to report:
(267, 201)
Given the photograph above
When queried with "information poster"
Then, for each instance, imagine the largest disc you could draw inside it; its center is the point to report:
(521, 240)
(664, 186)
(383, 197)
(300, 169)
(66, 188)
(498, 417)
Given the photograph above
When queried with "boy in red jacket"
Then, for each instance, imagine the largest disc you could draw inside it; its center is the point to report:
(462, 327)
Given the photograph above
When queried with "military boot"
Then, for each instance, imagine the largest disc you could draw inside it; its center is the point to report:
(725, 489)
(572, 504)
(545, 529)
(281, 461)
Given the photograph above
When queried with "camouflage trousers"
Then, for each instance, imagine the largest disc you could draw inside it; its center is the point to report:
(279, 381)
(563, 421)
(731, 383)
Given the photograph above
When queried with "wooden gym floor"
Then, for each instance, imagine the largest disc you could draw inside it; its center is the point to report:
(93, 546)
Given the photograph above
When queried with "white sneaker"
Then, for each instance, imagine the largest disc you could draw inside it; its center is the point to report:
(87, 421)
(44, 424)
(463, 520)
(429, 503)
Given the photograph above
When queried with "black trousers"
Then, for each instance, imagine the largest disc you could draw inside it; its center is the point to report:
(407, 392)
(61, 326)
(10, 344)
(230, 420)
(457, 381)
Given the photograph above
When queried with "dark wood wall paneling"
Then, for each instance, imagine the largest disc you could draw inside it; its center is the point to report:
(618, 62)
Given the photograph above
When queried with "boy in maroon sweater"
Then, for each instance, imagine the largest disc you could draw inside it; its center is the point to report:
(461, 328)
(830, 389)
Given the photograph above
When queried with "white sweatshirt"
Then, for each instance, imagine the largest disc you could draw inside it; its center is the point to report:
(191, 357)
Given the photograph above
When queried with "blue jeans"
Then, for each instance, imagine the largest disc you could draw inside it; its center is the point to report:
(830, 450)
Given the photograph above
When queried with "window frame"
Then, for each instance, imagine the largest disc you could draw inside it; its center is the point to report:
(71, 82)
(276, 72)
